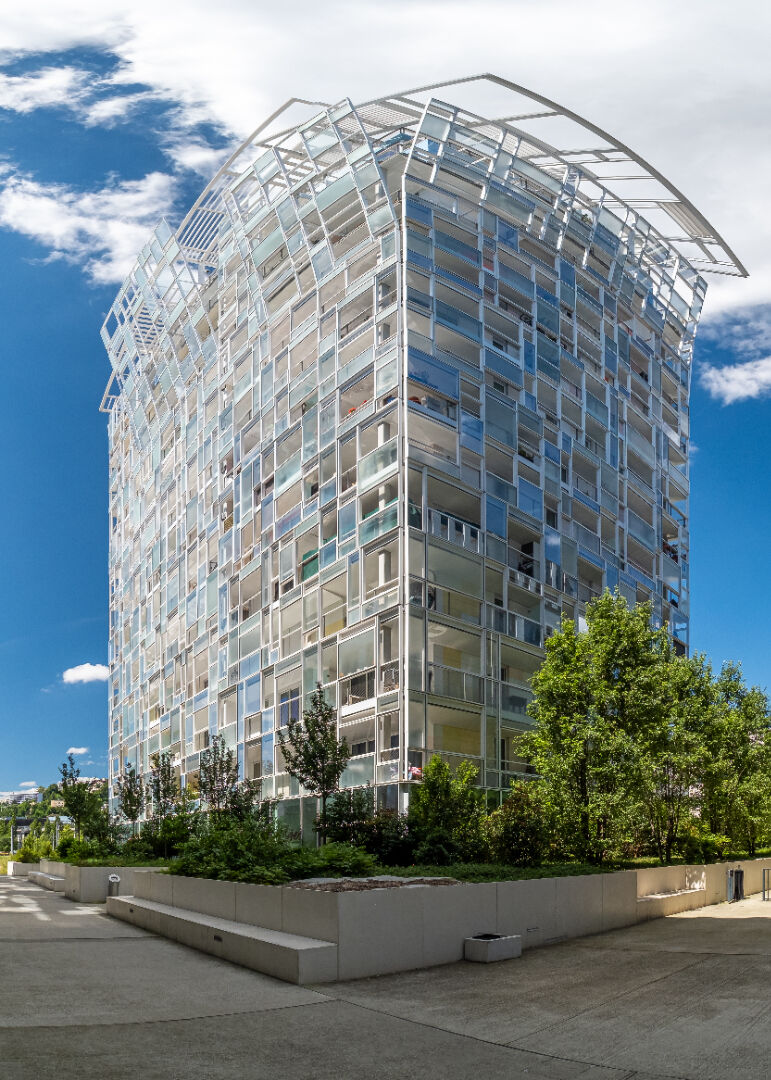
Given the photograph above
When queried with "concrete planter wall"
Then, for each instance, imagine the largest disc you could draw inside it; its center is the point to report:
(90, 884)
(385, 930)
(51, 866)
(20, 869)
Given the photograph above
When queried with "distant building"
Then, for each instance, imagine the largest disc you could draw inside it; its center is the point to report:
(406, 386)
(16, 797)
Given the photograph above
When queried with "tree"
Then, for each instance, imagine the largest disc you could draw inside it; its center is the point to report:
(671, 751)
(738, 759)
(313, 753)
(595, 694)
(218, 775)
(131, 793)
(79, 802)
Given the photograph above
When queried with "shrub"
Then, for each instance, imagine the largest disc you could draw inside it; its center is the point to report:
(33, 849)
(344, 860)
(390, 840)
(518, 832)
(350, 816)
(446, 813)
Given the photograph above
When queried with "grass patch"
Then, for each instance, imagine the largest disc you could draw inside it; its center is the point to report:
(4, 863)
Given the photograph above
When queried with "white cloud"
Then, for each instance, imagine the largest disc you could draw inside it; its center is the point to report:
(77, 751)
(738, 382)
(28, 784)
(102, 230)
(85, 673)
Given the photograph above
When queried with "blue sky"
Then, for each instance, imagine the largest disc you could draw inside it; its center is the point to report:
(111, 119)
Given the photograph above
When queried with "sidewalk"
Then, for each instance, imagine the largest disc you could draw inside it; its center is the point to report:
(84, 996)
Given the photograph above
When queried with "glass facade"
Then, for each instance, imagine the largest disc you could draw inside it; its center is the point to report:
(405, 386)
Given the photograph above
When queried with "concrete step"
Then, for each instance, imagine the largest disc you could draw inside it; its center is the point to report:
(285, 956)
(47, 881)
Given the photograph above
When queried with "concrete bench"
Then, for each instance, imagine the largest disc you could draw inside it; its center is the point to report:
(290, 957)
(46, 881)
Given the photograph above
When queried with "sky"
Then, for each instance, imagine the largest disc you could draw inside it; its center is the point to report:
(114, 115)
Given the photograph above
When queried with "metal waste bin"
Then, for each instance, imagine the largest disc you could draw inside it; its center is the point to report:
(113, 885)
(735, 885)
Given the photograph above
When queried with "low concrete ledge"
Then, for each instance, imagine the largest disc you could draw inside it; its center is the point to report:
(46, 881)
(658, 905)
(291, 957)
(20, 869)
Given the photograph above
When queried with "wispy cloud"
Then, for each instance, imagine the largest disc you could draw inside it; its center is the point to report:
(28, 784)
(101, 230)
(50, 86)
(77, 751)
(85, 673)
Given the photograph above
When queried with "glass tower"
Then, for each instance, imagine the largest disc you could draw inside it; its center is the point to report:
(405, 387)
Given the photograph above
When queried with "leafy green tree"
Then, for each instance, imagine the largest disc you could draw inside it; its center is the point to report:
(596, 693)
(313, 753)
(218, 775)
(80, 802)
(130, 790)
(671, 750)
(446, 813)
(738, 759)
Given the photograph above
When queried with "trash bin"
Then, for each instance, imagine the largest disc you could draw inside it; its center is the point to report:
(113, 885)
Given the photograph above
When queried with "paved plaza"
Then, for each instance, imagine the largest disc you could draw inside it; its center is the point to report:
(84, 996)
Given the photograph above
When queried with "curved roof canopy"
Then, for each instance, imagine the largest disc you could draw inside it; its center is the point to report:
(548, 135)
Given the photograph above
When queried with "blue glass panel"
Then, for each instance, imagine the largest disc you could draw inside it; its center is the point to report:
(507, 234)
(496, 517)
(502, 365)
(425, 369)
(530, 499)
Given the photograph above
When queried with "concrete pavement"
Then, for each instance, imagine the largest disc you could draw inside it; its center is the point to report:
(84, 996)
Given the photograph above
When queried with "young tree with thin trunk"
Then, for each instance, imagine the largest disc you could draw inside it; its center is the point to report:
(131, 792)
(218, 775)
(163, 787)
(313, 753)
(79, 802)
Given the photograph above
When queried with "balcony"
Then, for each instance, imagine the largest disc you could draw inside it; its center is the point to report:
(452, 529)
